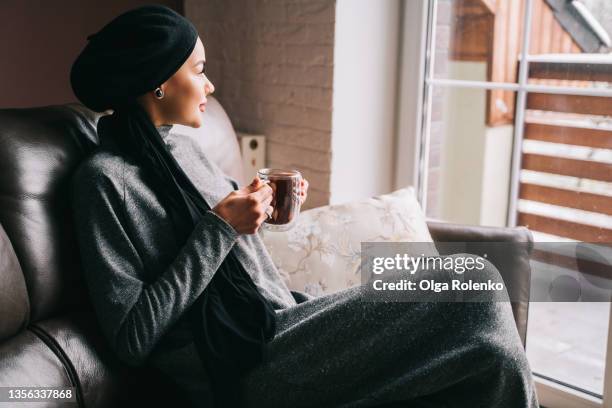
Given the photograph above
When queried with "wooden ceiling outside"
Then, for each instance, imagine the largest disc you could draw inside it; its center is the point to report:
(490, 31)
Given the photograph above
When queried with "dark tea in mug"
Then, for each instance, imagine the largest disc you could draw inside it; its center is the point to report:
(285, 203)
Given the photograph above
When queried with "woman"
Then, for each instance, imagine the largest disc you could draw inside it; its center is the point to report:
(180, 279)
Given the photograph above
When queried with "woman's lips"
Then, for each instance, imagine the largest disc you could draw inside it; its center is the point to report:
(202, 107)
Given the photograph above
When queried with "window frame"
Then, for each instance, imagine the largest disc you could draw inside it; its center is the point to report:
(551, 393)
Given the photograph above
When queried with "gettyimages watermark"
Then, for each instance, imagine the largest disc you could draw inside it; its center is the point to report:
(487, 271)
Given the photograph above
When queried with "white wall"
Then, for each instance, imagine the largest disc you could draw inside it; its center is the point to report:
(496, 176)
(364, 98)
(475, 160)
(463, 146)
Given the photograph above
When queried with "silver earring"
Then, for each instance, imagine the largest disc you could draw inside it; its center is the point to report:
(159, 93)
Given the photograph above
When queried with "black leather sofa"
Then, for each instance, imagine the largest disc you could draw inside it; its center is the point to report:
(48, 332)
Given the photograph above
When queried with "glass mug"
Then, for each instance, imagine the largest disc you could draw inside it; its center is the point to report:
(285, 197)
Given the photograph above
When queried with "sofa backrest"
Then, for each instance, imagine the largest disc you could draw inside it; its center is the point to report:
(39, 149)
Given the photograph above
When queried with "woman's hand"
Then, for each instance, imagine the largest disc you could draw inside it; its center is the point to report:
(303, 190)
(245, 209)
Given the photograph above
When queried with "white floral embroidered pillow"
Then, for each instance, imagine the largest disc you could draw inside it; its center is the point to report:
(322, 253)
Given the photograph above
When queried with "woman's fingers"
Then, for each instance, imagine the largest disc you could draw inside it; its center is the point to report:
(266, 202)
(303, 190)
(263, 192)
(266, 214)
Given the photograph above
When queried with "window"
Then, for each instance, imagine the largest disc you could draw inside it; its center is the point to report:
(517, 130)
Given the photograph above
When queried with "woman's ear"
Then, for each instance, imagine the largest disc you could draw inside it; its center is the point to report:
(165, 87)
(159, 92)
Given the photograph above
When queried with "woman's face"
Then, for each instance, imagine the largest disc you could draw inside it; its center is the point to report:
(185, 92)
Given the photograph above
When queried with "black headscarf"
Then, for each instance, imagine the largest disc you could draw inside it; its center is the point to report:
(133, 54)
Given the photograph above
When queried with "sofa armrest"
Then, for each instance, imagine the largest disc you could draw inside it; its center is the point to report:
(511, 260)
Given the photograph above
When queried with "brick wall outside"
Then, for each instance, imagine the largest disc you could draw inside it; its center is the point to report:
(271, 62)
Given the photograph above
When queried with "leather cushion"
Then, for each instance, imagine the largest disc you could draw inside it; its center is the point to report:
(14, 303)
(93, 366)
(102, 380)
(40, 149)
(26, 361)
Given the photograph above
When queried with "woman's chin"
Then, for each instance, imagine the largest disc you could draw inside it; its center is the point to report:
(196, 123)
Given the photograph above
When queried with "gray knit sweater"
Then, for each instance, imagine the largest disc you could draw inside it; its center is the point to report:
(139, 280)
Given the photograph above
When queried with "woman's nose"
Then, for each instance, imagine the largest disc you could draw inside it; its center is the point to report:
(210, 88)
